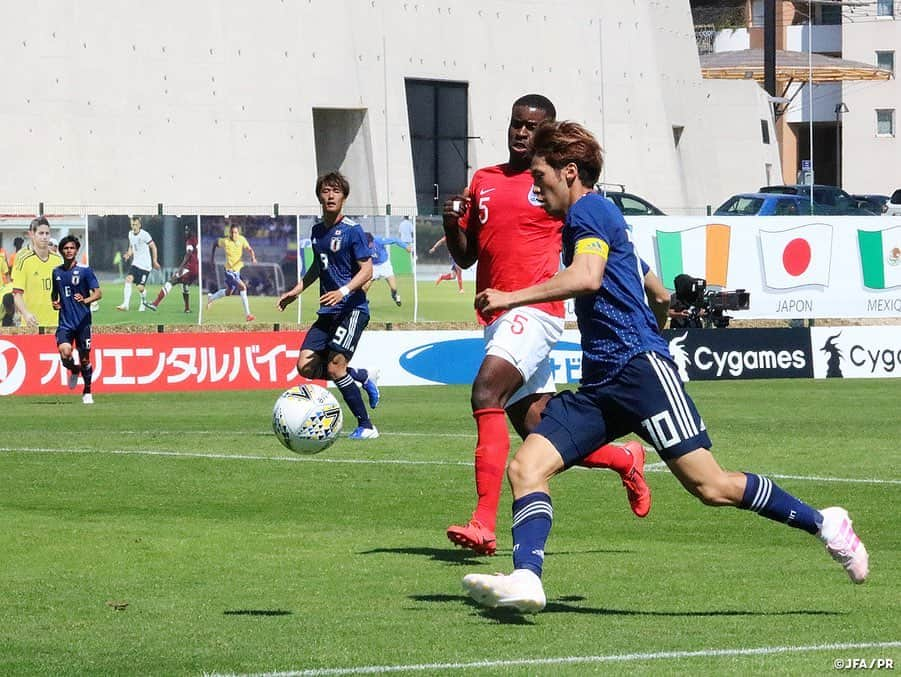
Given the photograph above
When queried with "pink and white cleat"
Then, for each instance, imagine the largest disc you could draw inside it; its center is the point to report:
(843, 544)
(521, 590)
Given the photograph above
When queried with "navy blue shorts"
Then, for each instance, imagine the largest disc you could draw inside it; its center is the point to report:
(338, 332)
(79, 337)
(139, 275)
(646, 398)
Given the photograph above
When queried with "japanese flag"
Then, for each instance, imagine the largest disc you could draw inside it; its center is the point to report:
(796, 257)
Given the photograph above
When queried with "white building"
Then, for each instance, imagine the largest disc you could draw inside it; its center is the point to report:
(233, 106)
(871, 157)
(853, 123)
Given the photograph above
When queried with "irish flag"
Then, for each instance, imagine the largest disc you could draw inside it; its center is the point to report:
(880, 257)
(797, 257)
(702, 251)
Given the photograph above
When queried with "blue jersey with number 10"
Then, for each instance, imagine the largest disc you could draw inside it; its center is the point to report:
(66, 283)
(615, 321)
(339, 250)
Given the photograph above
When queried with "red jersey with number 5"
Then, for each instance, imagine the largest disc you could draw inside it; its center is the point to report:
(519, 242)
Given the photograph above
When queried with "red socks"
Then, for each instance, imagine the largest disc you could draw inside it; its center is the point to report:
(492, 449)
(610, 456)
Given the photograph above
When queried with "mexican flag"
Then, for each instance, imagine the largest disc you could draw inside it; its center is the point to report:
(880, 257)
(702, 251)
(797, 257)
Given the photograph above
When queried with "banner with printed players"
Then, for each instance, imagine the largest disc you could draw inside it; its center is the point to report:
(229, 270)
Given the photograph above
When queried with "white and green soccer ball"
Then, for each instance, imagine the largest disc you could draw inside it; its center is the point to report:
(307, 419)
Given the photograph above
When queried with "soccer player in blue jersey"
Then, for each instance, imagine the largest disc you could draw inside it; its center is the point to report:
(343, 263)
(74, 289)
(629, 383)
(381, 262)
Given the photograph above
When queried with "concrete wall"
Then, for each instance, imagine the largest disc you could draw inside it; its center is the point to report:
(209, 105)
(871, 163)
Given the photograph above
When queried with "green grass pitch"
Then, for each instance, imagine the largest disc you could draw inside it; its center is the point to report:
(227, 554)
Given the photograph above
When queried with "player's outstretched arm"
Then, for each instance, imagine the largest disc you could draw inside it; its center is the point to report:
(95, 295)
(22, 309)
(153, 255)
(658, 298)
(583, 276)
(362, 276)
(288, 297)
(462, 248)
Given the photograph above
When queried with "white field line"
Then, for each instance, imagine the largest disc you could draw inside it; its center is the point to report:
(575, 660)
(651, 467)
(267, 433)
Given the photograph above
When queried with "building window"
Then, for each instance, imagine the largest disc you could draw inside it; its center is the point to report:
(756, 13)
(828, 15)
(765, 131)
(885, 8)
(885, 122)
(886, 61)
(438, 111)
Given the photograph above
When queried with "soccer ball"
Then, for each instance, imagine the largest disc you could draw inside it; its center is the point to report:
(307, 419)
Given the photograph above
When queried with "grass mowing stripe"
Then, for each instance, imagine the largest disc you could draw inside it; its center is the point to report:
(657, 467)
(232, 457)
(572, 660)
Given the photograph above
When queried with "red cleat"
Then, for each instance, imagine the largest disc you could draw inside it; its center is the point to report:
(473, 536)
(251, 318)
(637, 490)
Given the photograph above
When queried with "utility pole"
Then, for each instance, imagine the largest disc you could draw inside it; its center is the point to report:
(769, 46)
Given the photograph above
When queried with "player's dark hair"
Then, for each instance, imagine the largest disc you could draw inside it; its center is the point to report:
(39, 221)
(70, 238)
(18, 242)
(369, 236)
(537, 101)
(560, 143)
(333, 180)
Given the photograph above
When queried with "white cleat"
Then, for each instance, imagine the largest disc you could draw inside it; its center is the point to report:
(87, 399)
(521, 590)
(122, 307)
(843, 544)
(362, 433)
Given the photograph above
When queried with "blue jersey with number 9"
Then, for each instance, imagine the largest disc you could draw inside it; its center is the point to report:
(339, 250)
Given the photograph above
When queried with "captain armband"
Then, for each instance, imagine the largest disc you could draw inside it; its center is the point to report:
(592, 245)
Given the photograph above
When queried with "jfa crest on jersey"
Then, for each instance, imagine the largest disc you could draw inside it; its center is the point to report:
(335, 244)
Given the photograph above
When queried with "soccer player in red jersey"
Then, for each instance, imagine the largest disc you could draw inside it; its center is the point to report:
(498, 222)
(186, 273)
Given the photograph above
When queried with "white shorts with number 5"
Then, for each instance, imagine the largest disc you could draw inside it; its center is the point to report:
(524, 337)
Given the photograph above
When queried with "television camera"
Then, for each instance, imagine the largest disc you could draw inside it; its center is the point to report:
(706, 308)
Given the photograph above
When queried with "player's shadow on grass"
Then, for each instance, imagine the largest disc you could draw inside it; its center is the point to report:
(563, 605)
(256, 612)
(453, 555)
(449, 554)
